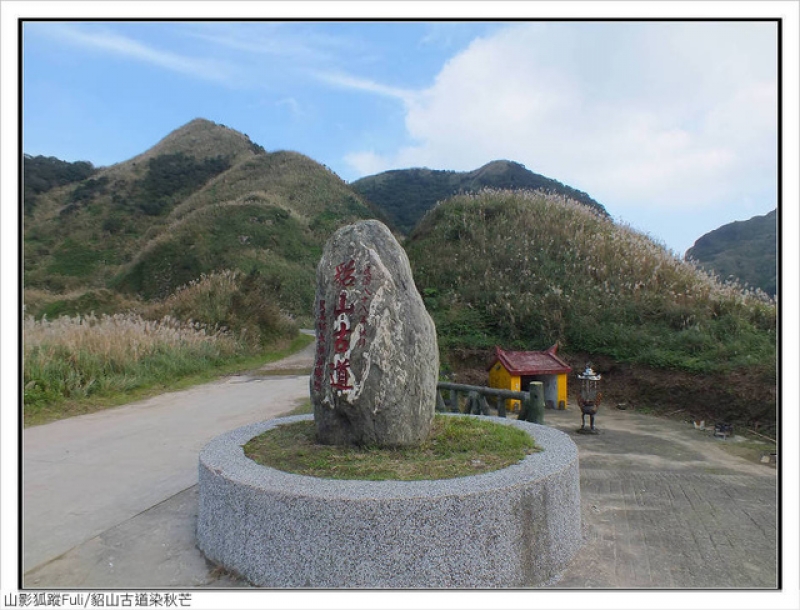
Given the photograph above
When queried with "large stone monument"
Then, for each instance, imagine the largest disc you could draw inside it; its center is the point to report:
(375, 383)
(377, 360)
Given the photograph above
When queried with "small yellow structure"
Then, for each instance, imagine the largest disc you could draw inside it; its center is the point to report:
(515, 371)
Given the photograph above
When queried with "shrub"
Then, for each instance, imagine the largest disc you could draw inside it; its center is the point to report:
(74, 258)
(40, 303)
(40, 174)
(88, 189)
(81, 356)
(242, 304)
(528, 269)
(174, 174)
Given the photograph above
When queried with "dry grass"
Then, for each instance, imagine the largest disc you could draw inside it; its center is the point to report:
(230, 301)
(36, 299)
(523, 268)
(207, 298)
(87, 356)
(123, 337)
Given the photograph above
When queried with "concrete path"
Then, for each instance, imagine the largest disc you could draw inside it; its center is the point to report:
(665, 506)
(87, 475)
(111, 498)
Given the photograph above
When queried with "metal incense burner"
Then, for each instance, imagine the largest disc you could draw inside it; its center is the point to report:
(589, 399)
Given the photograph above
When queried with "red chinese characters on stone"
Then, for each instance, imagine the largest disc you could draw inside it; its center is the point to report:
(341, 373)
(341, 324)
(340, 377)
(342, 307)
(362, 312)
(346, 274)
(341, 337)
(340, 370)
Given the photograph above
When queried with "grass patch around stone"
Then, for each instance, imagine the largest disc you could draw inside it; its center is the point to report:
(456, 447)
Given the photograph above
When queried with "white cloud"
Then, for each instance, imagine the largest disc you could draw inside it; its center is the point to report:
(112, 42)
(347, 81)
(273, 39)
(367, 163)
(663, 114)
(293, 106)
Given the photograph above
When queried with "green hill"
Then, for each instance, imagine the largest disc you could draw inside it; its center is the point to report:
(44, 173)
(242, 229)
(203, 199)
(744, 250)
(526, 270)
(405, 195)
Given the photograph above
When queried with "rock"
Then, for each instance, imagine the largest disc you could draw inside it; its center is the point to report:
(377, 360)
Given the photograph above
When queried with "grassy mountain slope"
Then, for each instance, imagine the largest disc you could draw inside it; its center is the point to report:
(405, 195)
(745, 250)
(203, 199)
(44, 173)
(526, 270)
(518, 268)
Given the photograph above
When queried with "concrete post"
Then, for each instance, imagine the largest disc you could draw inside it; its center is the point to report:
(533, 407)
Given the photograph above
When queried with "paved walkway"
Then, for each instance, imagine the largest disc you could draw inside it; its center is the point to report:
(89, 474)
(111, 499)
(665, 506)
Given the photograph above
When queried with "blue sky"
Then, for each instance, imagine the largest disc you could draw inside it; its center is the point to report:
(671, 125)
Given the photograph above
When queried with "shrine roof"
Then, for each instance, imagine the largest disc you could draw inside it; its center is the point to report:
(531, 363)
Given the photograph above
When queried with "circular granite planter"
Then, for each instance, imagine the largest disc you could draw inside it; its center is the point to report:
(515, 527)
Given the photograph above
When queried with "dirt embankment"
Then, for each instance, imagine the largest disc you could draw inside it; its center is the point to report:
(742, 397)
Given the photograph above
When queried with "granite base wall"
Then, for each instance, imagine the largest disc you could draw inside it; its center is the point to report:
(515, 527)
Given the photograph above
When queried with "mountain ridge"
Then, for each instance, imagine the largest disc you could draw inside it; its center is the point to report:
(515, 267)
(202, 199)
(745, 250)
(201, 138)
(405, 195)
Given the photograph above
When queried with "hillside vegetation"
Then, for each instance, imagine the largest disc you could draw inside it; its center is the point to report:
(526, 270)
(745, 250)
(211, 243)
(196, 257)
(205, 199)
(44, 173)
(405, 195)
(76, 362)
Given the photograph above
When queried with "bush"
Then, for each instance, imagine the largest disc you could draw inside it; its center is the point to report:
(74, 258)
(40, 303)
(529, 269)
(171, 175)
(40, 174)
(88, 189)
(82, 356)
(229, 300)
